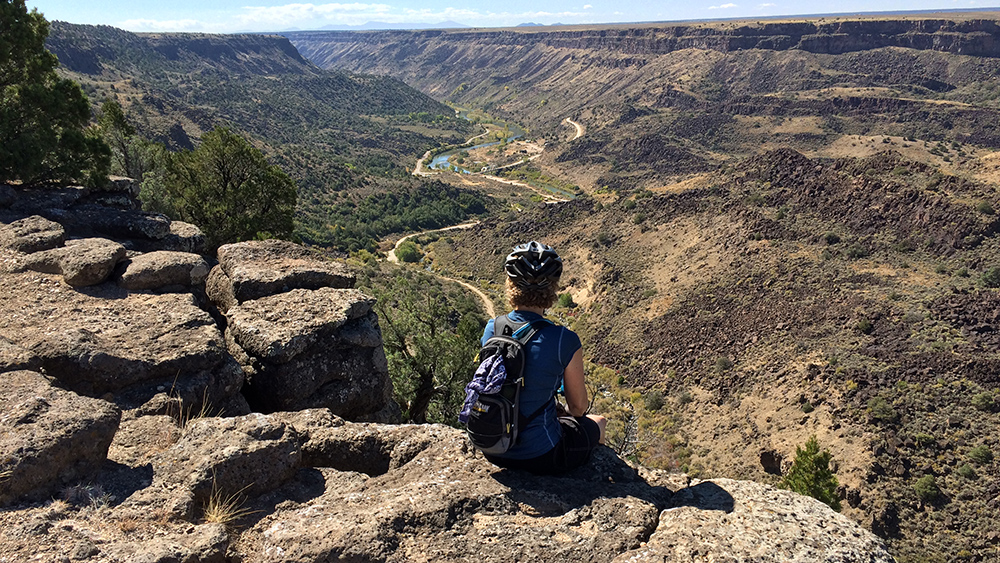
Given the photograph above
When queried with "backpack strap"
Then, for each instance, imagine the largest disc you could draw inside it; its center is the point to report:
(503, 326)
(523, 332)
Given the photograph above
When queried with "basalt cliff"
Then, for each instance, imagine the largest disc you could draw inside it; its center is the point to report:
(161, 405)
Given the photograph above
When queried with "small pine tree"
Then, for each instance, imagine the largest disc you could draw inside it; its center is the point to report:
(810, 475)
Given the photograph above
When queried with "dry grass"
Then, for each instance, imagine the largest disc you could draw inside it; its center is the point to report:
(225, 509)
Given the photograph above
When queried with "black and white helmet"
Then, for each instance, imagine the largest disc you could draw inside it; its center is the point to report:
(533, 265)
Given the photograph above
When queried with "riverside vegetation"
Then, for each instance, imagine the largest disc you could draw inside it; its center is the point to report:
(733, 305)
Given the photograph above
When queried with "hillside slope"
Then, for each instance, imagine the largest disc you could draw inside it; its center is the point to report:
(660, 102)
(341, 136)
(851, 299)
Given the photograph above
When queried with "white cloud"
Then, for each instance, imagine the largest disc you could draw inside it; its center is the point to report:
(298, 14)
(140, 25)
(723, 7)
(316, 16)
(768, 5)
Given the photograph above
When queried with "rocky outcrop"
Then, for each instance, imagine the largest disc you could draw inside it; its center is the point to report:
(304, 349)
(164, 269)
(32, 234)
(120, 339)
(109, 340)
(257, 455)
(304, 338)
(49, 437)
(727, 520)
(310, 487)
(81, 262)
(973, 37)
(255, 269)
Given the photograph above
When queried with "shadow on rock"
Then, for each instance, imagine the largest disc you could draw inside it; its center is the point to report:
(704, 496)
(605, 476)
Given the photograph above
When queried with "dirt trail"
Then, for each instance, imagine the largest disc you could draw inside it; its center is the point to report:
(487, 302)
(391, 256)
(579, 128)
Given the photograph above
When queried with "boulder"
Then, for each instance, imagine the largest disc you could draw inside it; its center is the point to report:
(308, 349)
(108, 340)
(260, 268)
(219, 288)
(115, 223)
(14, 357)
(280, 327)
(727, 520)
(184, 237)
(155, 270)
(49, 437)
(204, 543)
(32, 234)
(119, 192)
(82, 262)
(46, 201)
(226, 457)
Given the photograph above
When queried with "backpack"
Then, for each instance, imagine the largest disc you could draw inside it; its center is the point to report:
(492, 412)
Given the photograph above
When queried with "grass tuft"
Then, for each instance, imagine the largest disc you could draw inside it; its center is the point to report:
(225, 509)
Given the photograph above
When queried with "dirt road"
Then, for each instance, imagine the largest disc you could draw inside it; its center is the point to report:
(391, 256)
(579, 128)
(487, 302)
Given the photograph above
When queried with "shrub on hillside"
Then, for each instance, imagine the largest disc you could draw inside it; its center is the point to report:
(984, 402)
(991, 277)
(653, 400)
(881, 411)
(811, 475)
(967, 472)
(981, 454)
(566, 300)
(926, 488)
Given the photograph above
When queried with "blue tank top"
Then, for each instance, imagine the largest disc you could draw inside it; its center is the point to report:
(546, 358)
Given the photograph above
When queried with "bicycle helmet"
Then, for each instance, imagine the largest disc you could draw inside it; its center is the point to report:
(533, 265)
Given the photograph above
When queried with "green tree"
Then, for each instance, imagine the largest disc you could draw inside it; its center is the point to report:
(408, 252)
(227, 188)
(431, 336)
(44, 134)
(810, 475)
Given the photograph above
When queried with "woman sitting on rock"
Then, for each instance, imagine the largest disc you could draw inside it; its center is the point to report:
(555, 441)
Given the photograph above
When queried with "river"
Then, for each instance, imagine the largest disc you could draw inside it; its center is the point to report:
(442, 161)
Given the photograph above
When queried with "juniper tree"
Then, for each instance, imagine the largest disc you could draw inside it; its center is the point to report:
(811, 475)
(228, 188)
(44, 134)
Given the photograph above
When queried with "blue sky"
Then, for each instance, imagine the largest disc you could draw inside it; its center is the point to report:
(228, 16)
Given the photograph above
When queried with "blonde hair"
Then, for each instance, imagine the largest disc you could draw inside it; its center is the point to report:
(543, 297)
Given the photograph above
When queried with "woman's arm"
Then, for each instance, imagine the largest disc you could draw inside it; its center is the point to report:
(575, 388)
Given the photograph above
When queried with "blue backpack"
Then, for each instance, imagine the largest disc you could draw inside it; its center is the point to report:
(492, 414)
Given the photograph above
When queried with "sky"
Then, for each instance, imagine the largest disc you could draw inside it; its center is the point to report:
(234, 16)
